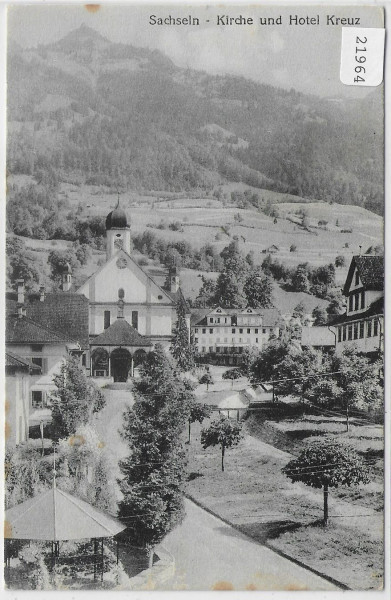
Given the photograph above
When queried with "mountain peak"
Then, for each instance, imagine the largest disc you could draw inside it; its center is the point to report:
(80, 37)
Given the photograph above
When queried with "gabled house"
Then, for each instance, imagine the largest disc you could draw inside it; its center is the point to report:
(42, 347)
(363, 322)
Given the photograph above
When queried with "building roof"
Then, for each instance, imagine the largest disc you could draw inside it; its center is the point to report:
(14, 362)
(66, 313)
(376, 308)
(270, 316)
(121, 333)
(56, 515)
(22, 330)
(371, 271)
(317, 336)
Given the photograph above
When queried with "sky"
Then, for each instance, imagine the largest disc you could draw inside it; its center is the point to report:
(306, 58)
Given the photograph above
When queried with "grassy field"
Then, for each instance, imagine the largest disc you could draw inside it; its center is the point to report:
(203, 217)
(255, 496)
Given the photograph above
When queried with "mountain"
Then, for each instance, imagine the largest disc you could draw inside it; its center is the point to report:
(93, 111)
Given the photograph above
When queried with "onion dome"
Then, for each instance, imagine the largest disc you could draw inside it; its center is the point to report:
(117, 219)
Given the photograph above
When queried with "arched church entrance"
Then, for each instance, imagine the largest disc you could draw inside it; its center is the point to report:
(100, 363)
(139, 357)
(121, 364)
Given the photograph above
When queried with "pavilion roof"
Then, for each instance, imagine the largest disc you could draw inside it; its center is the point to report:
(55, 516)
(121, 333)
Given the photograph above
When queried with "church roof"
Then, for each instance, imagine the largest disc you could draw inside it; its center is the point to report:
(66, 313)
(22, 330)
(117, 219)
(179, 298)
(371, 271)
(121, 333)
(56, 515)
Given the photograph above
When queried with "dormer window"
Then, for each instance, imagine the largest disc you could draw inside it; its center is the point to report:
(218, 310)
(350, 303)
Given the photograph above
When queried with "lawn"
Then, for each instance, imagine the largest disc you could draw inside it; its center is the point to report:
(258, 499)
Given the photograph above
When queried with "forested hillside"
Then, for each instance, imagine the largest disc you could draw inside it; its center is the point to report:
(88, 111)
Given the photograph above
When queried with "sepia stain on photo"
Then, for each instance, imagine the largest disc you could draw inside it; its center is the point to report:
(194, 298)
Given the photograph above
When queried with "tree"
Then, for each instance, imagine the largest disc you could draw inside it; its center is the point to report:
(21, 264)
(58, 260)
(266, 366)
(327, 464)
(340, 261)
(293, 248)
(319, 315)
(154, 470)
(198, 412)
(207, 379)
(181, 347)
(300, 281)
(222, 432)
(230, 290)
(259, 290)
(232, 374)
(74, 401)
(299, 311)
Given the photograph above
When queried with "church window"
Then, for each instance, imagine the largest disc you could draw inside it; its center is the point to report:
(120, 314)
(106, 317)
(121, 293)
(135, 319)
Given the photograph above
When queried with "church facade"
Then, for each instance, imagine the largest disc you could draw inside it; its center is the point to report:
(129, 312)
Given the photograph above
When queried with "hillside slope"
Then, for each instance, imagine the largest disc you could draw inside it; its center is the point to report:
(98, 112)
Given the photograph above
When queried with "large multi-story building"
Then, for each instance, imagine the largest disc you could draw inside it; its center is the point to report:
(363, 323)
(221, 334)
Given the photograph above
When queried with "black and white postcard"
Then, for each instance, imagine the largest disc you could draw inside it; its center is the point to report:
(194, 297)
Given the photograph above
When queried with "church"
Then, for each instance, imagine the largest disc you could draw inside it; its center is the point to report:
(117, 316)
(129, 312)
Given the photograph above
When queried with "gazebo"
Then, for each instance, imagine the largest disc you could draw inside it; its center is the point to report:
(56, 516)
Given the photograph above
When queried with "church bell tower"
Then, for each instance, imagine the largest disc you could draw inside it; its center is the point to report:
(117, 232)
